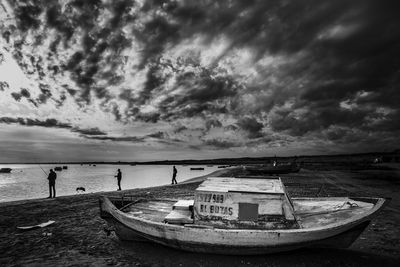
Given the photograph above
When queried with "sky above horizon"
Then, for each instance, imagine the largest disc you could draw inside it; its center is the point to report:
(129, 80)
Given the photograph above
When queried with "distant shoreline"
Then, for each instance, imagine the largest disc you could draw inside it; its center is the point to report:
(232, 161)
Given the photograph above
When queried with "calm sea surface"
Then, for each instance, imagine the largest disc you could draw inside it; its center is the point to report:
(29, 181)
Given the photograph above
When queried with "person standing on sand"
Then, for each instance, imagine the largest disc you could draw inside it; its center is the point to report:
(119, 178)
(174, 172)
(52, 183)
(275, 162)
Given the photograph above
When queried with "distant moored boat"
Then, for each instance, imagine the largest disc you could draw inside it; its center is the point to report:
(65, 167)
(5, 170)
(58, 169)
(197, 169)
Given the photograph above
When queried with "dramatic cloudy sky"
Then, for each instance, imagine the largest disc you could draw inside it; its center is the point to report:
(148, 80)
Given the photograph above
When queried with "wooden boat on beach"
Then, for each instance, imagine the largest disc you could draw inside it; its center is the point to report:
(241, 216)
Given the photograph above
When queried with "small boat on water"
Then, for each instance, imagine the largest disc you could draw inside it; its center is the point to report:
(241, 216)
(5, 170)
(58, 169)
(274, 169)
(197, 169)
(65, 167)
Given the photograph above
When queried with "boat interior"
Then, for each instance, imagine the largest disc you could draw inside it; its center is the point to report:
(308, 212)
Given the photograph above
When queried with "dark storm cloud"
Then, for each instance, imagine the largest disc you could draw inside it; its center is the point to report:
(158, 135)
(206, 85)
(96, 41)
(156, 34)
(180, 128)
(24, 93)
(231, 127)
(28, 15)
(161, 137)
(202, 90)
(221, 144)
(148, 117)
(89, 131)
(267, 26)
(365, 61)
(9, 120)
(316, 119)
(45, 93)
(251, 126)
(337, 134)
(133, 139)
(212, 123)
(70, 91)
(52, 123)
(55, 19)
(42, 98)
(116, 112)
(4, 86)
(388, 123)
(61, 100)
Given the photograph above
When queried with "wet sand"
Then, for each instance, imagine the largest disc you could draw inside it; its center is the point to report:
(78, 237)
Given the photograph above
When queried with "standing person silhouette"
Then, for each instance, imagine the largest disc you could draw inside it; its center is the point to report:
(52, 183)
(275, 162)
(119, 178)
(174, 172)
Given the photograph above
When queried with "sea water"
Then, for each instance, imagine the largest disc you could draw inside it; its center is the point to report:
(28, 181)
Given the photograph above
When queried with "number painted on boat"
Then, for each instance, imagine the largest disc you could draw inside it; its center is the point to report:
(211, 198)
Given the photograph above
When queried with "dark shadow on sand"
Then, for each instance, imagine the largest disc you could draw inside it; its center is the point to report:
(165, 256)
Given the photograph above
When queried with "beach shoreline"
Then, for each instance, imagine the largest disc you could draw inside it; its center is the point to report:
(190, 180)
(78, 238)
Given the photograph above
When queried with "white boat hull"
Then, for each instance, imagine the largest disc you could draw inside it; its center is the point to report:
(236, 241)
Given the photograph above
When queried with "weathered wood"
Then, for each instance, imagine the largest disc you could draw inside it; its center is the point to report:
(183, 204)
(226, 184)
(179, 217)
(220, 199)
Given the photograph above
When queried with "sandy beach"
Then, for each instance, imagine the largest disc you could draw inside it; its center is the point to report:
(78, 238)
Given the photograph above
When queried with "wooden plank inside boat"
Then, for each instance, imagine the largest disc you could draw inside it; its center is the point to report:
(178, 216)
(154, 210)
(226, 184)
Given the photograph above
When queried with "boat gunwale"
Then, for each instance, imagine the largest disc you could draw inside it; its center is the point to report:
(354, 220)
